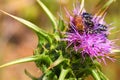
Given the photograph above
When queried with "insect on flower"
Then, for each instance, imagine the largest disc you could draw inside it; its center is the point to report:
(78, 23)
(87, 20)
(102, 27)
(93, 40)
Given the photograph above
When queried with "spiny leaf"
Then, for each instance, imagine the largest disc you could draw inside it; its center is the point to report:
(115, 51)
(29, 75)
(95, 74)
(57, 62)
(31, 26)
(50, 15)
(103, 77)
(61, 25)
(82, 6)
(98, 6)
(108, 3)
(105, 7)
(23, 60)
(64, 73)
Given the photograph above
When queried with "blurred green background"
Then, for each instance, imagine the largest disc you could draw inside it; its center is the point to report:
(17, 41)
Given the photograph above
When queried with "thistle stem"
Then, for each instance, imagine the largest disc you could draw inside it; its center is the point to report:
(103, 76)
(95, 74)
(63, 74)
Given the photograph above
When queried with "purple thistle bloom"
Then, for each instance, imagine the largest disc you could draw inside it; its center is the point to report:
(87, 34)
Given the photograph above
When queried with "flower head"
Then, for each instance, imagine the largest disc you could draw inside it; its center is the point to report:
(87, 34)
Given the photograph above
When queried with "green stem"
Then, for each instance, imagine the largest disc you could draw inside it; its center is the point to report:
(102, 75)
(95, 74)
(63, 74)
(56, 62)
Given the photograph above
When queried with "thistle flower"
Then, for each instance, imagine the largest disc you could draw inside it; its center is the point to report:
(87, 34)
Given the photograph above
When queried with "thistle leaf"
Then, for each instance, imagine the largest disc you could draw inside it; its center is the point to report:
(23, 60)
(50, 15)
(103, 77)
(105, 7)
(115, 51)
(82, 6)
(29, 75)
(64, 73)
(57, 62)
(95, 74)
(31, 26)
(108, 3)
(61, 25)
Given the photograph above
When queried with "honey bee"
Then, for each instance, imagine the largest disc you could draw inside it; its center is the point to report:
(78, 23)
(87, 20)
(102, 27)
